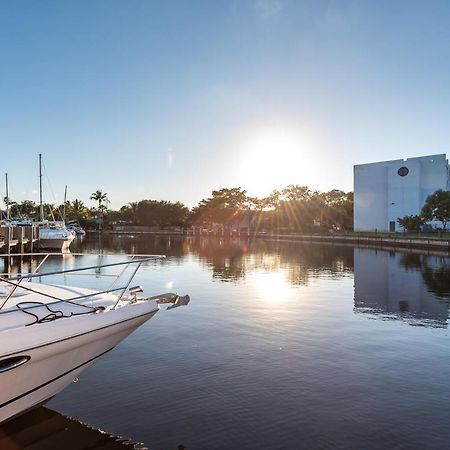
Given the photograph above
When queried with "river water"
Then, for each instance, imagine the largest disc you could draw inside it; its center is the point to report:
(284, 346)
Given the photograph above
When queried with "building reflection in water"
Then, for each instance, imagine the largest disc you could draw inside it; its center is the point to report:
(410, 287)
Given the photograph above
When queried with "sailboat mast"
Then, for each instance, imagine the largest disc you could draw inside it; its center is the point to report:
(41, 206)
(7, 197)
(64, 206)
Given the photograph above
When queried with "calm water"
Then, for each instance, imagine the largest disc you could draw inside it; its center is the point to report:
(283, 346)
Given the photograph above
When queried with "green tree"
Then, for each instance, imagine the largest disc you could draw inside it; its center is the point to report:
(100, 197)
(27, 208)
(294, 192)
(437, 207)
(337, 209)
(411, 223)
(273, 200)
(222, 207)
(160, 213)
(129, 212)
(294, 208)
(51, 211)
(76, 210)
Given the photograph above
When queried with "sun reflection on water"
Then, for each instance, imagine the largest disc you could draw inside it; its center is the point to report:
(272, 287)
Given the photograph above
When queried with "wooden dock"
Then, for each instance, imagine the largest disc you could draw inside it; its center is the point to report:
(14, 239)
(45, 429)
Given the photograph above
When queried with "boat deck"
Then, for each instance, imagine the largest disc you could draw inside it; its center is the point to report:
(41, 299)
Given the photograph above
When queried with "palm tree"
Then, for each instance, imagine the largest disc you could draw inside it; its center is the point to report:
(76, 209)
(100, 197)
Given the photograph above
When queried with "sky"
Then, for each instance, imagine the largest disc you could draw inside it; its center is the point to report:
(169, 99)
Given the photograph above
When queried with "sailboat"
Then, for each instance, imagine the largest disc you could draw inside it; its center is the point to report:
(52, 234)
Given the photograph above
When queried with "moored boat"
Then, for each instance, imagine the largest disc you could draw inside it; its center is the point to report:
(51, 333)
(55, 235)
(75, 227)
(52, 234)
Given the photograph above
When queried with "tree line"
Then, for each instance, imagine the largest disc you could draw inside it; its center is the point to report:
(71, 210)
(294, 208)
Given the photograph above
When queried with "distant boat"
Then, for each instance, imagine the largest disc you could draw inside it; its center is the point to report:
(52, 234)
(75, 227)
(21, 222)
(51, 333)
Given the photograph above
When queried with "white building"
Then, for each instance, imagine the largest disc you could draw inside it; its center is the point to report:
(385, 191)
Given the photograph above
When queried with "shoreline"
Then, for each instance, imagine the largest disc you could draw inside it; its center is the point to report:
(379, 241)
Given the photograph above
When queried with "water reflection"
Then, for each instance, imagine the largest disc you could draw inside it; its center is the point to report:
(271, 287)
(435, 271)
(276, 346)
(405, 286)
(409, 287)
(45, 429)
(234, 259)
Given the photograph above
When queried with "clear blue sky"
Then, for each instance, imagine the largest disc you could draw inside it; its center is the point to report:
(171, 99)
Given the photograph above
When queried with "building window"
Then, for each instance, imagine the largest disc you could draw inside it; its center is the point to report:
(403, 171)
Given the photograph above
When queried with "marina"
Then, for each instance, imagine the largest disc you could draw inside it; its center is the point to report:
(282, 163)
(24, 234)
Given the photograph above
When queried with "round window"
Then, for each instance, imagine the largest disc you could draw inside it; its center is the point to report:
(403, 171)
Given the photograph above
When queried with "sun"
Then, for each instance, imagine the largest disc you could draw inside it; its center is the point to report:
(273, 157)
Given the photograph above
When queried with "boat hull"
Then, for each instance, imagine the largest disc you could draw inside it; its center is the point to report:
(52, 366)
(57, 244)
(54, 235)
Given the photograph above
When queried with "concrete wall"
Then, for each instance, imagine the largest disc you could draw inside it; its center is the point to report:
(382, 195)
(370, 200)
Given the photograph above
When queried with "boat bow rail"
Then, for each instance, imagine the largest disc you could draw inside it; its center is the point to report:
(39, 361)
(43, 302)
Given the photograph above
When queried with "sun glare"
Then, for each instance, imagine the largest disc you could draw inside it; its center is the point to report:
(272, 158)
(272, 287)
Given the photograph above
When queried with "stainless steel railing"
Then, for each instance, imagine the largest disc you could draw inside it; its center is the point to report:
(15, 281)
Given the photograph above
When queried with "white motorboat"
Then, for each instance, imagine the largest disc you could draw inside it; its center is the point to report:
(55, 235)
(49, 334)
(75, 227)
